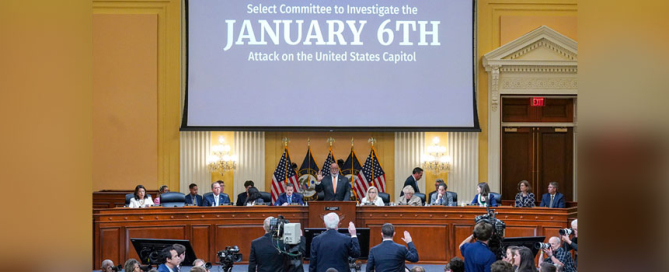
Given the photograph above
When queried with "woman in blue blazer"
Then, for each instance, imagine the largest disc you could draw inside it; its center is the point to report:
(483, 198)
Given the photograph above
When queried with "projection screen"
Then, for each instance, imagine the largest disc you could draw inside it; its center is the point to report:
(339, 65)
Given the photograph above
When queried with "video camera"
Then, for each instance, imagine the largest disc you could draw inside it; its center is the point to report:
(566, 231)
(228, 256)
(282, 229)
(498, 227)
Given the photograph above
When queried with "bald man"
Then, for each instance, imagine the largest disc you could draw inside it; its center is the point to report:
(557, 255)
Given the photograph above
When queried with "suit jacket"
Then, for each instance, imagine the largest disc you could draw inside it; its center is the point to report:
(164, 268)
(343, 189)
(558, 201)
(410, 181)
(209, 200)
(414, 201)
(265, 257)
(295, 198)
(446, 200)
(389, 256)
(241, 199)
(198, 199)
(491, 203)
(332, 249)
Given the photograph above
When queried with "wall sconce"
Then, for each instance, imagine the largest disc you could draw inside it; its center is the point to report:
(220, 159)
(435, 160)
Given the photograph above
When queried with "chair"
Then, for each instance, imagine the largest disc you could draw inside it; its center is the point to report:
(266, 197)
(173, 199)
(421, 196)
(385, 197)
(454, 195)
(429, 196)
(498, 198)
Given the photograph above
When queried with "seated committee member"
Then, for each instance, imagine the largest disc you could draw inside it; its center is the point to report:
(193, 197)
(169, 259)
(524, 197)
(216, 199)
(436, 188)
(478, 256)
(372, 197)
(412, 180)
(336, 187)
(331, 249)
(289, 197)
(141, 199)
(441, 197)
(241, 197)
(390, 256)
(483, 197)
(254, 197)
(557, 255)
(408, 197)
(264, 255)
(552, 199)
(163, 189)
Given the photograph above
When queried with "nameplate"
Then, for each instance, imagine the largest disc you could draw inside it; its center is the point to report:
(331, 208)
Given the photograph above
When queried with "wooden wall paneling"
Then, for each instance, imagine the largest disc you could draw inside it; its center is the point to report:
(237, 235)
(556, 110)
(520, 231)
(110, 241)
(199, 240)
(460, 233)
(151, 232)
(517, 110)
(555, 155)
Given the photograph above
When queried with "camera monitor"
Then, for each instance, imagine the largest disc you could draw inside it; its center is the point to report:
(362, 233)
(528, 242)
(148, 250)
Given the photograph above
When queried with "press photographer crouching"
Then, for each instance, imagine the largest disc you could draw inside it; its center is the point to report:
(556, 255)
(570, 243)
(478, 256)
(280, 249)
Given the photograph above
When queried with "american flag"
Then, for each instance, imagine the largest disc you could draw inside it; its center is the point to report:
(325, 170)
(371, 175)
(283, 174)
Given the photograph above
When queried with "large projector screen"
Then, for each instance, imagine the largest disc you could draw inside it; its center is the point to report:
(339, 65)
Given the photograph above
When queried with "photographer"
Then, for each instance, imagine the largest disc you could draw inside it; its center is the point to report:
(557, 255)
(569, 244)
(478, 256)
(264, 255)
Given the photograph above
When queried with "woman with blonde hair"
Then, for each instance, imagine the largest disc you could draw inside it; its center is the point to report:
(409, 198)
(372, 197)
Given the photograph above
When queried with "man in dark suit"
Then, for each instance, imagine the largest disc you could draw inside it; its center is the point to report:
(170, 260)
(216, 199)
(241, 198)
(390, 256)
(193, 197)
(331, 249)
(552, 199)
(412, 180)
(289, 197)
(264, 255)
(336, 186)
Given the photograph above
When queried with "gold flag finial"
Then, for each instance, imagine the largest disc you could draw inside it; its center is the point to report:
(308, 142)
(330, 140)
(285, 141)
(351, 141)
(371, 141)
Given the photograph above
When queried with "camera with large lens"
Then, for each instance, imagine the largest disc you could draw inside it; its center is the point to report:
(117, 268)
(282, 229)
(228, 256)
(566, 231)
(540, 245)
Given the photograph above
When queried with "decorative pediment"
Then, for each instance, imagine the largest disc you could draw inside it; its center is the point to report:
(540, 47)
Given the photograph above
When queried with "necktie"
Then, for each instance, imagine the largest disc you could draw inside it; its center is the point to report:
(215, 200)
(194, 200)
(290, 200)
(441, 201)
(551, 204)
(334, 184)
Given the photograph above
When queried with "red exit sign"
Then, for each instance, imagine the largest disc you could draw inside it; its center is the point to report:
(537, 101)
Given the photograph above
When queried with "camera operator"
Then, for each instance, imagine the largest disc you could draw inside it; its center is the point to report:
(557, 255)
(107, 265)
(478, 256)
(569, 244)
(264, 255)
(170, 260)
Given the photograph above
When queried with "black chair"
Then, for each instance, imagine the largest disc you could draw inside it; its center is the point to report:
(498, 198)
(385, 197)
(421, 196)
(266, 197)
(429, 196)
(454, 195)
(172, 199)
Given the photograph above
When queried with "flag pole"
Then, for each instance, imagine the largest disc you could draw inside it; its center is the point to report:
(372, 141)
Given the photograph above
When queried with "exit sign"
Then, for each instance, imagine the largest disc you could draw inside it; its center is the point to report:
(537, 101)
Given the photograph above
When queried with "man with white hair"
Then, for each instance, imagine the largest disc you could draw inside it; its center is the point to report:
(107, 265)
(557, 255)
(331, 249)
(569, 244)
(264, 255)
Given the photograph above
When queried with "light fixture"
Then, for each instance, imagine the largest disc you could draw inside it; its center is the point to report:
(435, 160)
(220, 159)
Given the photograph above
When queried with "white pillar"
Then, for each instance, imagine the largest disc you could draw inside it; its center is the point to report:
(195, 147)
(409, 148)
(463, 147)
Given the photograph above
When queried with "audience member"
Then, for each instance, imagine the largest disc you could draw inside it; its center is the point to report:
(388, 255)
(132, 265)
(412, 180)
(289, 197)
(264, 255)
(417, 269)
(509, 256)
(331, 248)
(441, 197)
(163, 189)
(140, 199)
(552, 199)
(241, 197)
(107, 265)
(201, 263)
(331, 270)
(547, 267)
(569, 244)
(170, 260)
(335, 187)
(197, 269)
(557, 255)
(372, 197)
(408, 197)
(483, 197)
(524, 197)
(455, 265)
(193, 197)
(181, 253)
(478, 256)
(254, 197)
(216, 199)
(525, 260)
(501, 266)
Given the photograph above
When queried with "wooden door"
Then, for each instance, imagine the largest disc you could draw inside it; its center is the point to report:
(517, 159)
(555, 154)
